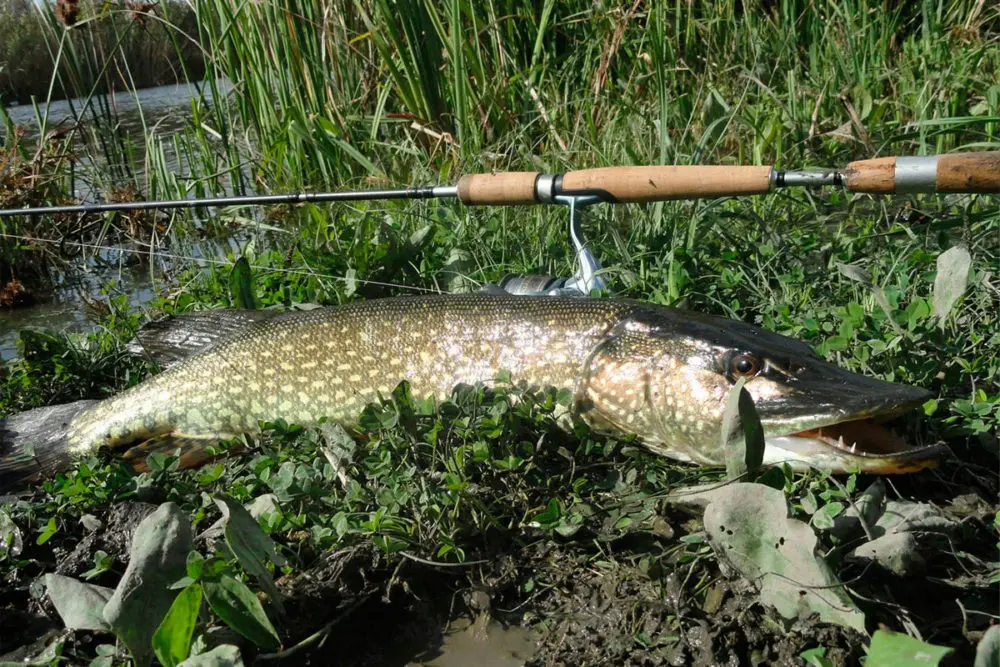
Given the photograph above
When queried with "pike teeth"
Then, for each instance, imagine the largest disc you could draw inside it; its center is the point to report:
(854, 447)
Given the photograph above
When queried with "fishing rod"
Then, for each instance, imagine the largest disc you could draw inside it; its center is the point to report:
(951, 173)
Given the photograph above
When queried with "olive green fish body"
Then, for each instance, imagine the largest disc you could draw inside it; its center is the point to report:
(330, 362)
(633, 368)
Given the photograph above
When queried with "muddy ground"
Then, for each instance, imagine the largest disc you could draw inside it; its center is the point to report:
(652, 598)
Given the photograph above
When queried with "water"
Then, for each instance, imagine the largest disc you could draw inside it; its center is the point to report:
(165, 108)
(66, 310)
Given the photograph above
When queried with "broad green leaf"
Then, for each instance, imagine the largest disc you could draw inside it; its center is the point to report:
(240, 609)
(742, 433)
(894, 649)
(952, 279)
(172, 639)
(226, 655)
(51, 528)
(250, 544)
(749, 526)
(241, 285)
(816, 657)
(144, 595)
(79, 605)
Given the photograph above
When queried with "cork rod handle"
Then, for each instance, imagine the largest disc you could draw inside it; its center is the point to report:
(649, 184)
(956, 172)
(618, 184)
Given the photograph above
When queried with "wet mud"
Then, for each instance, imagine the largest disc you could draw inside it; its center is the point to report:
(642, 600)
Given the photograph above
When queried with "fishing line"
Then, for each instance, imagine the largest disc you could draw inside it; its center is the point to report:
(218, 262)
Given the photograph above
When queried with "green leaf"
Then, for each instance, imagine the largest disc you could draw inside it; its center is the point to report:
(240, 609)
(742, 433)
(251, 545)
(172, 639)
(241, 285)
(51, 528)
(550, 514)
(893, 649)
(816, 657)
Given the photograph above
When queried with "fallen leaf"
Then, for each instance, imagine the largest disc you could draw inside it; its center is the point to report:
(899, 533)
(263, 505)
(11, 542)
(79, 605)
(748, 525)
(897, 552)
(951, 281)
(157, 559)
(226, 655)
(855, 272)
(908, 516)
(988, 648)
(698, 496)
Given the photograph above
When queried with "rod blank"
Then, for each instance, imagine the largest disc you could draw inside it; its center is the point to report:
(246, 200)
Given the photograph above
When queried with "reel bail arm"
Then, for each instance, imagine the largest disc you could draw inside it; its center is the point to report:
(581, 283)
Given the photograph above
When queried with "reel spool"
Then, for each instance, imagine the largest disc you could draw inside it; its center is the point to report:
(581, 283)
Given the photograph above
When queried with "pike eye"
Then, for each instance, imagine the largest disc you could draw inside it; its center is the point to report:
(744, 366)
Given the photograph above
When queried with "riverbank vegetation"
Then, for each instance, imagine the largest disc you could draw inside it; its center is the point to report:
(533, 526)
(59, 50)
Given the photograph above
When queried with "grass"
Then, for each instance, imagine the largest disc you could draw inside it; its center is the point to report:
(347, 94)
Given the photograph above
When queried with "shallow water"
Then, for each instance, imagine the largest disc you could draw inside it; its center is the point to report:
(162, 110)
(64, 310)
(165, 108)
(162, 107)
(481, 642)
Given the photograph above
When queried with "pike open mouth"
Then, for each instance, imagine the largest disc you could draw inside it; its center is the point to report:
(878, 443)
(861, 437)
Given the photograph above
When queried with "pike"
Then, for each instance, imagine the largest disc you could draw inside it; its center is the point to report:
(951, 173)
(632, 368)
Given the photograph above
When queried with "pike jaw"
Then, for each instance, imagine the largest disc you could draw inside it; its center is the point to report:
(814, 414)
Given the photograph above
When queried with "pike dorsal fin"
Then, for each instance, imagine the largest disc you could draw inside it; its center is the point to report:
(178, 337)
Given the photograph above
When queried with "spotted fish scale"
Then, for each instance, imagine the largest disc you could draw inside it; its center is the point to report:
(330, 362)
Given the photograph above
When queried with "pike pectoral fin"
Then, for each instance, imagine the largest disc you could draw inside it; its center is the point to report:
(193, 451)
